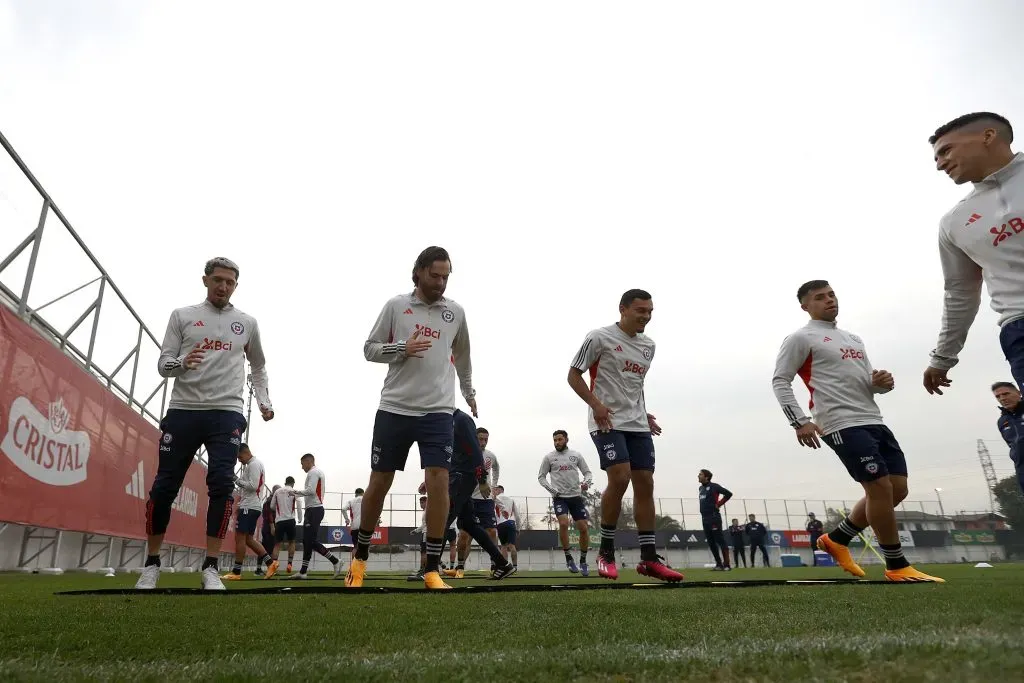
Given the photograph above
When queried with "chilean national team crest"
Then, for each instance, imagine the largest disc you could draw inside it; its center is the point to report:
(572, 459)
(647, 353)
(447, 315)
(237, 327)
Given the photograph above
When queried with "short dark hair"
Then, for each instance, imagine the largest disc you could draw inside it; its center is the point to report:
(808, 287)
(307, 455)
(1002, 125)
(632, 295)
(220, 262)
(562, 432)
(481, 430)
(428, 256)
(360, 492)
(1004, 385)
(243, 447)
(706, 473)
(288, 481)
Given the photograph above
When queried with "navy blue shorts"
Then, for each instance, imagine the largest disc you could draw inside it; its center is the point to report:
(485, 515)
(286, 530)
(869, 452)
(1011, 339)
(460, 498)
(615, 448)
(507, 533)
(247, 520)
(570, 506)
(394, 435)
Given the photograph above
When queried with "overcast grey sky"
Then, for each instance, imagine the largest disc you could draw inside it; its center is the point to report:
(717, 156)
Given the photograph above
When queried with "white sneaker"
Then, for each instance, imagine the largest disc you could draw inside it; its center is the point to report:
(297, 577)
(211, 580)
(337, 569)
(147, 581)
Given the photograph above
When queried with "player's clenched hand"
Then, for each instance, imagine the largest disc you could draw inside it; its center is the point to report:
(882, 379)
(485, 489)
(603, 418)
(807, 435)
(267, 413)
(935, 380)
(194, 358)
(655, 429)
(414, 346)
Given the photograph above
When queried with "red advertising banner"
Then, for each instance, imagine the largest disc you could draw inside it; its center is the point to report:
(75, 457)
(798, 539)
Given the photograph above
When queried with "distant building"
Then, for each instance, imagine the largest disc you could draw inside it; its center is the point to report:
(979, 520)
(912, 520)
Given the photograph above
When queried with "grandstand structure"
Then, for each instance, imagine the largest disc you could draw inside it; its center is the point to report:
(27, 539)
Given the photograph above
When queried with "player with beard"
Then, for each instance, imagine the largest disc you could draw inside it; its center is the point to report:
(564, 466)
(423, 339)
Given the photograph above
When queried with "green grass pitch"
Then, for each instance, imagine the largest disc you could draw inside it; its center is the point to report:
(970, 629)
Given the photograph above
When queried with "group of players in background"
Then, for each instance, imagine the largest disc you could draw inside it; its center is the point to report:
(422, 337)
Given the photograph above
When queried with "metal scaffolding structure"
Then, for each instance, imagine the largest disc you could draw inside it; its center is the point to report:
(124, 380)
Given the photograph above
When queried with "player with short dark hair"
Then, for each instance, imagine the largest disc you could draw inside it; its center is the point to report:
(756, 533)
(842, 383)
(312, 494)
(249, 484)
(1011, 424)
(267, 528)
(564, 466)
(507, 512)
(484, 506)
(712, 497)
(814, 530)
(466, 474)
(738, 551)
(980, 240)
(617, 358)
(417, 400)
(286, 510)
(204, 349)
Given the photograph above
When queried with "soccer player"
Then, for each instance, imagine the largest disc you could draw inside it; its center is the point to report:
(814, 529)
(738, 551)
(980, 240)
(1011, 424)
(204, 349)
(756, 533)
(350, 512)
(565, 465)
(617, 358)
(267, 529)
(507, 512)
(467, 474)
(286, 508)
(249, 485)
(842, 384)
(313, 504)
(422, 529)
(484, 506)
(423, 338)
(712, 497)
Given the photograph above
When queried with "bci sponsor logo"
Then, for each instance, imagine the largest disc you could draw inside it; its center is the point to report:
(43, 447)
(214, 345)
(425, 331)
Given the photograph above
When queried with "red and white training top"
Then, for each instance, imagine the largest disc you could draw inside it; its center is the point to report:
(313, 492)
(835, 368)
(617, 364)
(284, 504)
(249, 484)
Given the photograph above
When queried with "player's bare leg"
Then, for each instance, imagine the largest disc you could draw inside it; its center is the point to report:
(563, 537)
(583, 527)
(373, 504)
(437, 523)
(644, 512)
(611, 508)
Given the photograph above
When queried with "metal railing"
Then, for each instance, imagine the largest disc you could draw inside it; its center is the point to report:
(402, 510)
